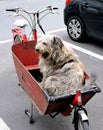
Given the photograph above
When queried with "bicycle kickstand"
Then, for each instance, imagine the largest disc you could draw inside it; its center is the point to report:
(30, 114)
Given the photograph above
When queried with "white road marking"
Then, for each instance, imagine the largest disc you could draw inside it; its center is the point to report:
(6, 41)
(93, 54)
(53, 31)
(100, 57)
(57, 30)
(3, 125)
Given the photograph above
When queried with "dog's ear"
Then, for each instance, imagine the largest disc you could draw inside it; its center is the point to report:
(57, 42)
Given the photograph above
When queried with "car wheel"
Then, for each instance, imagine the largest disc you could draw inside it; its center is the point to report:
(75, 28)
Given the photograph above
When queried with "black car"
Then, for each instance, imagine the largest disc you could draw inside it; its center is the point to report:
(84, 18)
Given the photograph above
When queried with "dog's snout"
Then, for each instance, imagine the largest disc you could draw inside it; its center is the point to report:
(37, 48)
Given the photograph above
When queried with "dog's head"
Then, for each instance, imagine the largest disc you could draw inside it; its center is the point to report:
(48, 46)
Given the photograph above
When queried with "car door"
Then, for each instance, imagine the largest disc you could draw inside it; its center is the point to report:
(92, 12)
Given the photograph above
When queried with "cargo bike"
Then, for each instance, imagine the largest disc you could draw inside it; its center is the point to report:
(26, 64)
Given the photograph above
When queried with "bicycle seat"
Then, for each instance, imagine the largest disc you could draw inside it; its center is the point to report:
(20, 23)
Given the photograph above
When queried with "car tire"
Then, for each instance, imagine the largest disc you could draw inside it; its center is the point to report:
(75, 28)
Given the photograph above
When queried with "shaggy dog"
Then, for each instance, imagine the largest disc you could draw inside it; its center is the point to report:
(62, 70)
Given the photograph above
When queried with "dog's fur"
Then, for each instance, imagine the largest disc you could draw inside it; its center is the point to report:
(62, 70)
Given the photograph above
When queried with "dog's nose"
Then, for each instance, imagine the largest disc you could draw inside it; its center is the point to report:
(37, 49)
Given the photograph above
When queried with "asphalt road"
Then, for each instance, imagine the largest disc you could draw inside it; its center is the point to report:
(13, 100)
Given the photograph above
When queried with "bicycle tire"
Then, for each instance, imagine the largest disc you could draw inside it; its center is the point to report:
(17, 39)
(83, 125)
(79, 124)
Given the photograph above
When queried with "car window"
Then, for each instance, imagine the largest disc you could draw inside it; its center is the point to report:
(95, 3)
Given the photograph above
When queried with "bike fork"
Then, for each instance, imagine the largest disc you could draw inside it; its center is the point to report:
(80, 113)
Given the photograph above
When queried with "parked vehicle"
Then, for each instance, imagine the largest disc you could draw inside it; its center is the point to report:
(84, 18)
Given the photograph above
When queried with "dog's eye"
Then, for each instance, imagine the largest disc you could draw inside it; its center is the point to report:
(44, 43)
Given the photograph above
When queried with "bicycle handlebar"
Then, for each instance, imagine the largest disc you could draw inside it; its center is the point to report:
(13, 10)
(16, 11)
(55, 8)
(41, 11)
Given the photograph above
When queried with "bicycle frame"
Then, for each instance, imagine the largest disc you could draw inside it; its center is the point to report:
(76, 102)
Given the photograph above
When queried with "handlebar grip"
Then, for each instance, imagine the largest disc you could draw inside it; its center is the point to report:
(55, 8)
(13, 10)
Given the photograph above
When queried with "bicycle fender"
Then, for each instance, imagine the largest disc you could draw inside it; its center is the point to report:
(83, 115)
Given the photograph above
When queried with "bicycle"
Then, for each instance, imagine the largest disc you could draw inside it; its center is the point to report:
(29, 74)
(33, 19)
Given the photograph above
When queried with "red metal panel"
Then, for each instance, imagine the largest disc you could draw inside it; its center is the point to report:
(31, 86)
(26, 53)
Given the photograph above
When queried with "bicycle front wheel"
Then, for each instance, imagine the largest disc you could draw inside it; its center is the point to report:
(82, 125)
(79, 122)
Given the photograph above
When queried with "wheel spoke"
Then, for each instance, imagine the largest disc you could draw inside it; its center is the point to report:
(77, 24)
(73, 21)
(77, 34)
(70, 24)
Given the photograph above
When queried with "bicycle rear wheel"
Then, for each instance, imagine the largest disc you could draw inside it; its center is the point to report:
(17, 39)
